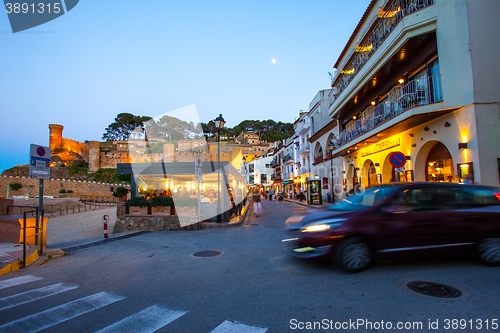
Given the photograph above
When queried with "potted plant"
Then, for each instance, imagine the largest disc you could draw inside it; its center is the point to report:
(185, 206)
(138, 205)
(162, 205)
(121, 193)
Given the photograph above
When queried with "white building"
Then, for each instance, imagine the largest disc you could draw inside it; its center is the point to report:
(420, 78)
(258, 171)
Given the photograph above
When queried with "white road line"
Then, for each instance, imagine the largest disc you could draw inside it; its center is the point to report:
(59, 314)
(236, 327)
(33, 295)
(17, 281)
(146, 321)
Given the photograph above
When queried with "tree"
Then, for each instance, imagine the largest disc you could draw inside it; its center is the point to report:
(123, 126)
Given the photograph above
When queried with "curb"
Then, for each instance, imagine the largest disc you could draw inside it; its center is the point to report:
(298, 203)
(15, 265)
(214, 225)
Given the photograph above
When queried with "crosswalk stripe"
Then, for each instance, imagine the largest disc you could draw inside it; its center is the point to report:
(17, 281)
(33, 295)
(236, 327)
(59, 314)
(146, 321)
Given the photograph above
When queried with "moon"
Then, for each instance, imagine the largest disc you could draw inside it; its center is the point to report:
(273, 61)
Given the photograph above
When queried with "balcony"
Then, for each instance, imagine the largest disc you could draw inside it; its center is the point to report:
(288, 159)
(287, 176)
(275, 177)
(304, 149)
(423, 91)
(305, 169)
(386, 21)
(318, 159)
(302, 126)
(274, 163)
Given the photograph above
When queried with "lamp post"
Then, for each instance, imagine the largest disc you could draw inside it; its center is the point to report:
(219, 124)
(331, 147)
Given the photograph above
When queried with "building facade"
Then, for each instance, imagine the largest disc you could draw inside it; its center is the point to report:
(419, 78)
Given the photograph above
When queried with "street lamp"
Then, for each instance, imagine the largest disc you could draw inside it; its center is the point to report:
(219, 124)
(331, 147)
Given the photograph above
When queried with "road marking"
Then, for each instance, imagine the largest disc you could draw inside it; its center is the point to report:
(236, 327)
(48, 318)
(33, 295)
(17, 281)
(146, 321)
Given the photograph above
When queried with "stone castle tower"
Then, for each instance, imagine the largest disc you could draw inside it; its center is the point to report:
(56, 141)
(94, 155)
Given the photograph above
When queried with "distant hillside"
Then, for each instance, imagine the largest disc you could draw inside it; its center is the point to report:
(268, 130)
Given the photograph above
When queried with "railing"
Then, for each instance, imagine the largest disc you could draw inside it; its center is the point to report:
(304, 148)
(318, 159)
(287, 159)
(302, 126)
(305, 169)
(287, 175)
(423, 91)
(389, 19)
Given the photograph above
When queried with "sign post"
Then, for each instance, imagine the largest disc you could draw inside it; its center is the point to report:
(39, 168)
(397, 160)
(198, 170)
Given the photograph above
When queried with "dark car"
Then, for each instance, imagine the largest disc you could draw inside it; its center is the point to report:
(401, 219)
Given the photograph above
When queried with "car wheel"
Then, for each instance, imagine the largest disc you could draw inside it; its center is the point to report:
(489, 251)
(354, 255)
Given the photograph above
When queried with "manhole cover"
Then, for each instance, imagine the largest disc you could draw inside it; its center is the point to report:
(205, 254)
(434, 289)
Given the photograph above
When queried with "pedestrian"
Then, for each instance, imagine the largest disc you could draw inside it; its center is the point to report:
(290, 196)
(271, 193)
(468, 179)
(257, 205)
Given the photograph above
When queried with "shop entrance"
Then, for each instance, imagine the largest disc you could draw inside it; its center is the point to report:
(439, 164)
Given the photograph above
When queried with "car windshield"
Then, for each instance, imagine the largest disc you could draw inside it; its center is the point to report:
(367, 198)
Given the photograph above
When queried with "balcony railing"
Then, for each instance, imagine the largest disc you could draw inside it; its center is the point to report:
(287, 159)
(287, 175)
(302, 126)
(423, 91)
(388, 20)
(305, 169)
(304, 149)
(318, 159)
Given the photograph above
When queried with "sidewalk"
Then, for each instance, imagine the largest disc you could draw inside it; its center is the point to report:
(304, 203)
(11, 256)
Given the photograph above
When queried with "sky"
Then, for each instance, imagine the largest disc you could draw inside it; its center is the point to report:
(149, 57)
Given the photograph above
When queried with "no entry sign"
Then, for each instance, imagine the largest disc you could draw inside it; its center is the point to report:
(397, 159)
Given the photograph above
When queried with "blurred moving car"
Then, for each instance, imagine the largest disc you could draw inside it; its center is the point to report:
(401, 219)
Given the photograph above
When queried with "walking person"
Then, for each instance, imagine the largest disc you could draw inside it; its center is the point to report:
(271, 193)
(257, 205)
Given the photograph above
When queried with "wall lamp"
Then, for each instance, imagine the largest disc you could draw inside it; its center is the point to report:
(462, 145)
(377, 164)
(408, 158)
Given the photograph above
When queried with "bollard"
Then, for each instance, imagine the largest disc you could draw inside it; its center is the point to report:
(105, 222)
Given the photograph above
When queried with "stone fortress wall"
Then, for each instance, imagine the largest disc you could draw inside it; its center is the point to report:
(51, 187)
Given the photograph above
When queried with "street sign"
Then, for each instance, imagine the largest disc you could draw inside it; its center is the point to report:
(397, 159)
(39, 162)
(399, 169)
(198, 168)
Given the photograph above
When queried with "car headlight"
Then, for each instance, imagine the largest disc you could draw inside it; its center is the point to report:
(322, 225)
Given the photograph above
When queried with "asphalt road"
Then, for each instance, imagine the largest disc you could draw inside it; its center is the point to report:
(153, 282)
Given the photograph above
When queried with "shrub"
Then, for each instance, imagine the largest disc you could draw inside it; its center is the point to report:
(161, 201)
(70, 191)
(120, 192)
(15, 186)
(62, 191)
(138, 202)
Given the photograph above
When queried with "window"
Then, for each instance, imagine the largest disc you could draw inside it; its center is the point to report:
(263, 178)
(251, 179)
(268, 165)
(251, 168)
